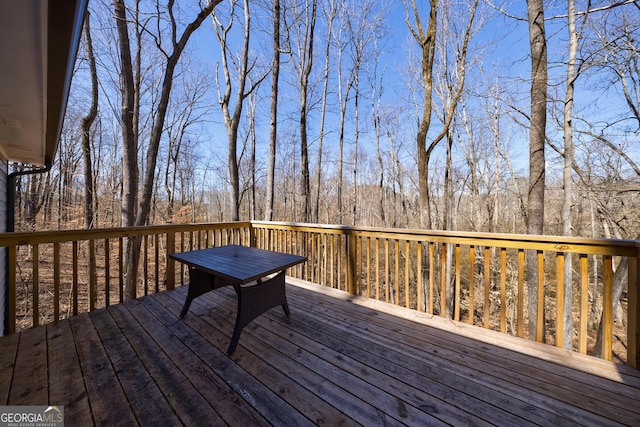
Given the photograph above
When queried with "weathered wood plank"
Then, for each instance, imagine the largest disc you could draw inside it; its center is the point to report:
(270, 367)
(374, 394)
(546, 385)
(185, 399)
(30, 386)
(459, 393)
(66, 387)
(337, 360)
(143, 394)
(8, 355)
(108, 401)
(208, 384)
(252, 391)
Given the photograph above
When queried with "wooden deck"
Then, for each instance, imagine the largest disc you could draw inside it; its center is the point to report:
(338, 360)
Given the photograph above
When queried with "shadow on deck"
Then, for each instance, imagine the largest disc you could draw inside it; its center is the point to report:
(338, 360)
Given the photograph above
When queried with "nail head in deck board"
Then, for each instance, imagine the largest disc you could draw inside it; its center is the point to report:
(30, 387)
(65, 376)
(216, 392)
(109, 404)
(275, 410)
(9, 346)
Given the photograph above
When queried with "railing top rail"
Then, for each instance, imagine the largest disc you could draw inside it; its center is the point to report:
(58, 236)
(599, 246)
(614, 247)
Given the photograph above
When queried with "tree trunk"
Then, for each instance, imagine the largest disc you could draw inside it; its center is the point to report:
(428, 44)
(273, 124)
(306, 64)
(232, 120)
(87, 122)
(331, 14)
(129, 148)
(567, 224)
(535, 209)
(130, 172)
(129, 143)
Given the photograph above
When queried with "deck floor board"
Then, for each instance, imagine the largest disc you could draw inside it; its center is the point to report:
(336, 360)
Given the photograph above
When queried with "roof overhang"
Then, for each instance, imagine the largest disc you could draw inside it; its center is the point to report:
(38, 45)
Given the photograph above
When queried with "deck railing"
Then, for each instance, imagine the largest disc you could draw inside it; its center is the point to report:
(471, 277)
(58, 274)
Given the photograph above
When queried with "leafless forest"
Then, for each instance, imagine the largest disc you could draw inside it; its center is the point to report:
(470, 116)
(342, 147)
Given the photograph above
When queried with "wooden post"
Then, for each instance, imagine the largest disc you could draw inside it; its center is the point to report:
(607, 306)
(351, 264)
(252, 236)
(633, 326)
(171, 264)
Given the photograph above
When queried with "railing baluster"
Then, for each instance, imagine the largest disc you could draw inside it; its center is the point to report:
(377, 269)
(560, 299)
(12, 255)
(35, 283)
(407, 296)
(107, 273)
(456, 314)
(396, 283)
(503, 290)
(121, 269)
(339, 261)
(431, 275)
(56, 281)
(420, 281)
(520, 307)
(91, 266)
(157, 261)
(145, 264)
(472, 286)
(540, 322)
(584, 303)
(443, 281)
(75, 277)
(607, 306)
(487, 285)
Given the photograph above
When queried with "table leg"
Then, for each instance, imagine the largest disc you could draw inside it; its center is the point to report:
(200, 282)
(255, 300)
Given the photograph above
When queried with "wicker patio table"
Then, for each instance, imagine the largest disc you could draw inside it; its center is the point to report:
(245, 268)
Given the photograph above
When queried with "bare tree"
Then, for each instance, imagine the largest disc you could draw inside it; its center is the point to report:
(187, 109)
(87, 122)
(232, 118)
(273, 112)
(427, 42)
(330, 14)
(537, 133)
(303, 59)
(171, 52)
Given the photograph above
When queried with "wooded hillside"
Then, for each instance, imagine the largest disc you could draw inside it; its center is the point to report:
(196, 108)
